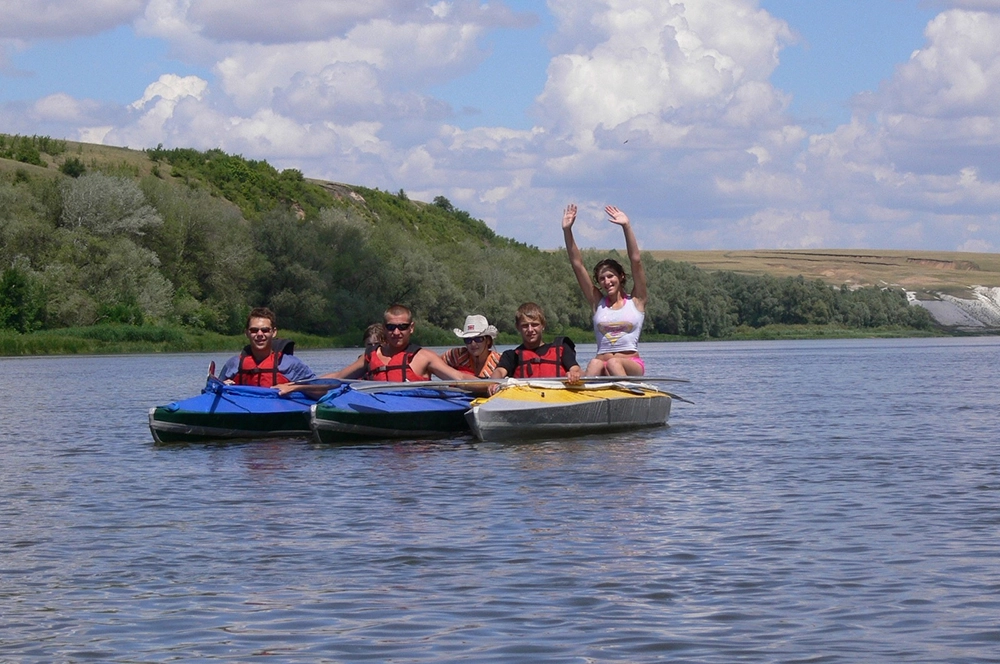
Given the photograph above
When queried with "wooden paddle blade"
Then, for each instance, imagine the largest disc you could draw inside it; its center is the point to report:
(211, 369)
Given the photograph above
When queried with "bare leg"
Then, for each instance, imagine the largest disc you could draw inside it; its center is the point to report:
(596, 368)
(624, 366)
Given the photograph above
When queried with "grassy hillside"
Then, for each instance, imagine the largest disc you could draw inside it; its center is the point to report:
(184, 239)
(949, 272)
(942, 271)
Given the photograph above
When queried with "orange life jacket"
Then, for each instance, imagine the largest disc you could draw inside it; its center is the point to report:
(461, 359)
(396, 371)
(265, 374)
(547, 364)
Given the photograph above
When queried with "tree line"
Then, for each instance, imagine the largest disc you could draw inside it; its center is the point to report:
(206, 235)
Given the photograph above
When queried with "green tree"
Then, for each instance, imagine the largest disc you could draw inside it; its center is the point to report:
(21, 300)
(73, 167)
(205, 250)
(107, 205)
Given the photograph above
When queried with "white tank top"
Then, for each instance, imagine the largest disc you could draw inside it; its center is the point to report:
(617, 330)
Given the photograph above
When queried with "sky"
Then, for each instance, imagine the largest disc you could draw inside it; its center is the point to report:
(715, 124)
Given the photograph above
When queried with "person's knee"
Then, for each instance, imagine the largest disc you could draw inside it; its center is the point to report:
(615, 367)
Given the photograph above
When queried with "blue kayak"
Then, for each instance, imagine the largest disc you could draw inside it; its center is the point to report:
(370, 410)
(223, 412)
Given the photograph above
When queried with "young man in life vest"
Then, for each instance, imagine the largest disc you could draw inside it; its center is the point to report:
(397, 360)
(534, 359)
(260, 364)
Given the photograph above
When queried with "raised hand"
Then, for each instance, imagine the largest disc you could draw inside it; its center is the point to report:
(615, 216)
(569, 216)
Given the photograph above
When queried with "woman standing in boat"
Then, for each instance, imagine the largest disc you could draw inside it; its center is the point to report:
(618, 315)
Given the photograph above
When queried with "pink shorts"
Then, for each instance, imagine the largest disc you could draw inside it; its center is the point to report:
(635, 358)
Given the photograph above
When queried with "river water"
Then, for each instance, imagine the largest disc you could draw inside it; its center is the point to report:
(822, 501)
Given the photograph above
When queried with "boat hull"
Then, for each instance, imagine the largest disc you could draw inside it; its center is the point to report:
(226, 412)
(538, 410)
(350, 415)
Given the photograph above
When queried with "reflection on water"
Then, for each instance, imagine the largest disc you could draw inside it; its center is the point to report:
(822, 501)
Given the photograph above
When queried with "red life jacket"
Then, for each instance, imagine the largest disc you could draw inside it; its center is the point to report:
(547, 364)
(397, 370)
(265, 374)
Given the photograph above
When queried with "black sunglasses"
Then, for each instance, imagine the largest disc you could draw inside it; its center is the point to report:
(255, 330)
(402, 327)
(474, 340)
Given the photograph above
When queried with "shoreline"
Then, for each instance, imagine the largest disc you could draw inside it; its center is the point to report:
(176, 340)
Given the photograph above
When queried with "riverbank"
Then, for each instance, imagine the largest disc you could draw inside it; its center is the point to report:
(130, 339)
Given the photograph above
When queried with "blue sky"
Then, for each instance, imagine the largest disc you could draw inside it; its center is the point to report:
(716, 124)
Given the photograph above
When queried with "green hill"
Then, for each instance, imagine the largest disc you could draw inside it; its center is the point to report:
(97, 235)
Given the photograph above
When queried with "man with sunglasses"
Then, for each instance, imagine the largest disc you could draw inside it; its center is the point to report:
(397, 360)
(266, 361)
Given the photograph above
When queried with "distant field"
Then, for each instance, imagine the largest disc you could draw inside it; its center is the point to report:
(941, 271)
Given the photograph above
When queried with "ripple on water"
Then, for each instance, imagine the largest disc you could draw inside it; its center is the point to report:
(821, 502)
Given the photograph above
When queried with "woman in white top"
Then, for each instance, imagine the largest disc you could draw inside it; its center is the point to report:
(618, 315)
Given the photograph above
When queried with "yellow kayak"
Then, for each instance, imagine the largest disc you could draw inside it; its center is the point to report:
(527, 409)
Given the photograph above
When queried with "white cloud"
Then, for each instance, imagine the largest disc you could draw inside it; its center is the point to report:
(679, 64)
(977, 245)
(170, 88)
(955, 75)
(34, 19)
(987, 5)
(663, 107)
(923, 146)
(94, 134)
(60, 108)
(791, 229)
(289, 21)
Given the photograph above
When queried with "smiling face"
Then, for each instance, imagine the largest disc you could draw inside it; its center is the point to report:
(479, 346)
(398, 329)
(609, 281)
(610, 277)
(260, 332)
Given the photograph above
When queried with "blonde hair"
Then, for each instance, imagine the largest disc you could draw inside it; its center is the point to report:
(529, 310)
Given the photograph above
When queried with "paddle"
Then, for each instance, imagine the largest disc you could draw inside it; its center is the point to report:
(676, 396)
(212, 378)
(470, 384)
(473, 383)
(481, 384)
(644, 379)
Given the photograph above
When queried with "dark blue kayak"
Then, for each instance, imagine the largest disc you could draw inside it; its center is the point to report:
(371, 411)
(223, 412)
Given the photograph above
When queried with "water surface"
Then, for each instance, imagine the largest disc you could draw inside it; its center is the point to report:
(821, 502)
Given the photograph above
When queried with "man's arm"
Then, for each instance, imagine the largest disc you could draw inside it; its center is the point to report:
(355, 369)
(570, 364)
(506, 365)
(428, 362)
(229, 369)
(295, 369)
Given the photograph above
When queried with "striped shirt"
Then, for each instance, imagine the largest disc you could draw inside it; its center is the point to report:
(459, 358)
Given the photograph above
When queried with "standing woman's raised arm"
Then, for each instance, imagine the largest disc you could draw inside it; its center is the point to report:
(639, 292)
(590, 291)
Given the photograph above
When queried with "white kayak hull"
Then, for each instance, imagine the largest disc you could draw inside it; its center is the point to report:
(535, 409)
